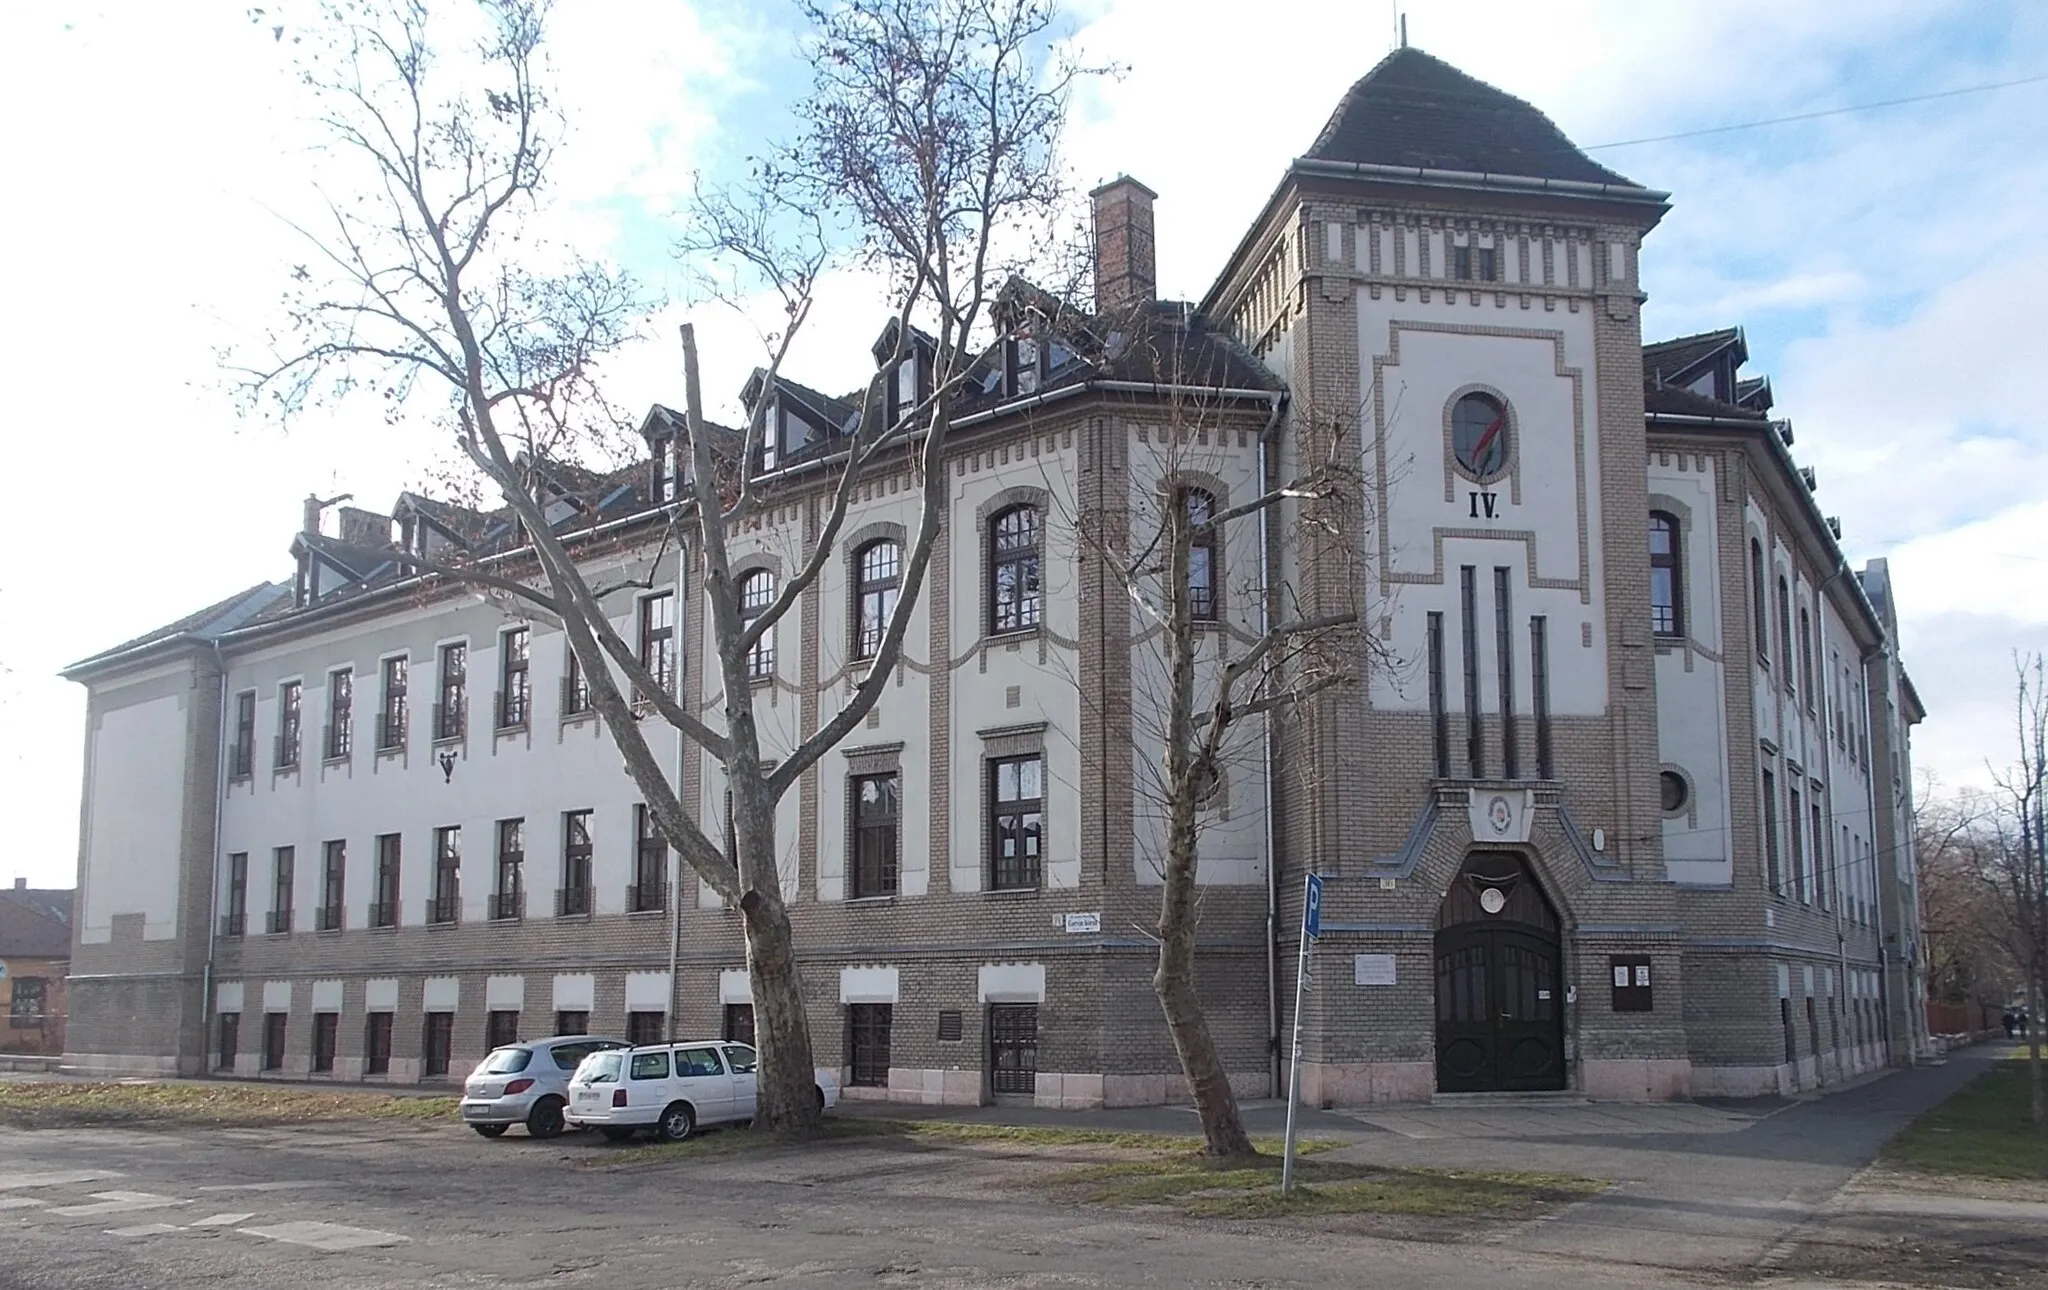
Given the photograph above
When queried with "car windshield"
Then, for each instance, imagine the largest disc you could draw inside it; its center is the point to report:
(742, 1059)
(600, 1068)
(507, 1061)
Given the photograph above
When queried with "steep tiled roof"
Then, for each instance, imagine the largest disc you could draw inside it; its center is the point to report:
(1415, 110)
(54, 901)
(221, 616)
(1667, 360)
(32, 932)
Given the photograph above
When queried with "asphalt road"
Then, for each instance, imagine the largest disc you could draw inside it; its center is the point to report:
(386, 1206)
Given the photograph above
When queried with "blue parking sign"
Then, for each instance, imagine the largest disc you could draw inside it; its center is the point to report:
(1312, 909)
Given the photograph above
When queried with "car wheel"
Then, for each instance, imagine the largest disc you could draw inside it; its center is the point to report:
(821, 1099)
(545, 1119)
(491, 1130)
(677, 1122)
(613, 1133)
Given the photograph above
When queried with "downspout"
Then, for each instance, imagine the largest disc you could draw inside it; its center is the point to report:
(220, 793)
(1273, 1074)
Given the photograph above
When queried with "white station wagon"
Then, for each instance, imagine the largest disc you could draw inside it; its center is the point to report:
(671, 1089)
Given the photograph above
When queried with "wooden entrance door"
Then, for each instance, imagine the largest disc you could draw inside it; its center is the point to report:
(1499, 993)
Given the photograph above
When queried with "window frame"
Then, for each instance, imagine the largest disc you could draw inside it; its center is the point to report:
(387, 893)
(508, 899)
(874, 835)
(395, 677)
(444, 907)
(377, 1027)
(26, 989)
(868, 1027)
(326, 1036)
(876, 593)
(752, 604)
(242, 755)
(1785, 631)
(650, 856)
(577, 857)
(1012, 560)
(283, 878)
(515, 683)
(1205, 590)
(437, 1044)
(657, 623)
(1759, 603)
(291, 697)
(1013, 874)
(1667, 619)
(575, 685)
(237, 913)
(333, 884)
(227, 1040)
(341, 702)
(451, 704)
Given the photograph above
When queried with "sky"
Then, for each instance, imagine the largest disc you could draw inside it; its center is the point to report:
(1885, 264)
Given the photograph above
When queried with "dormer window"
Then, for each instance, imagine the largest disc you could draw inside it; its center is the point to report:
(771, 435)
(903, 387)
(668, 475)
(1023, 364)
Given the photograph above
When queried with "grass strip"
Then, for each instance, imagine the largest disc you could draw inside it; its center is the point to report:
(64, 1103)
(1982, 1131)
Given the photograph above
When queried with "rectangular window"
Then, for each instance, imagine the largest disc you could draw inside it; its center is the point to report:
(1806, 656)
(877, 810)
(575, 686)
(242, 764)
(281, 891)
(739, 1023)
(1461, 262)
(451, 714)
(867, 1044)
(658, 639)
(333, 885)
(574, 895)
(273, 1040)
(508, 889)
(1785, 631)
(1828, 878)
(341, 700)
(650, 865)
(325, 1026)
(26, 1007)
(1439, 716)
(437, 1043)
(288, 719)
(1014, 589)
(1539, 692)
(377, 1044)
(644, 1027)
(572, 1022)
(501, 1027)
(1489, 264)
(1475, 738)
(757, 597)
(446, 903)
(1504, 649)
(391, 721)
(235, 921)
(513, 691)
(1016, 809)
(1795, 826)
(384, 909)
(1667, 615)
(230, 1041)
(1760, 617)
(1771, 873)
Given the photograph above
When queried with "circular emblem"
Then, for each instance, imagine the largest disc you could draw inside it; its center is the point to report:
(1479, 436)
(1500, 814)
(1493, 900)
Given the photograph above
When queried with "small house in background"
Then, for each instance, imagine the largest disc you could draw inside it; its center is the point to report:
(35, 957)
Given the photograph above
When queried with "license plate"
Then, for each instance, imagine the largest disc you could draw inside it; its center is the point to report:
(475, 1112)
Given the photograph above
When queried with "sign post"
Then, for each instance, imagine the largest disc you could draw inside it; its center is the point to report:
(1311, 930)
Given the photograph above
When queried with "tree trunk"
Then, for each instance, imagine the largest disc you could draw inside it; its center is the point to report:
(1222, 1124)
(2038, 1095)
(787, 1083)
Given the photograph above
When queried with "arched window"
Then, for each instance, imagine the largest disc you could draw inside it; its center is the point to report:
(1013, 556)
(757, 592)
(1760, 626)
(1667, 579)
(878, 575)
(1203, 602)
(1785, 629)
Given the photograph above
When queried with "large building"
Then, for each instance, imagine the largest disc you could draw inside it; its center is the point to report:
(1619, 802)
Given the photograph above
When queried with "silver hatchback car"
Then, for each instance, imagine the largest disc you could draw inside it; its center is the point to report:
(526, 1083)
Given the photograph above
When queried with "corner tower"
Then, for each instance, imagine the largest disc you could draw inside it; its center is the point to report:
(1449, 288)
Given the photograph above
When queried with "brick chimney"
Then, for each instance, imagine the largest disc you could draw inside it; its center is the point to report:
(1124, 265)
(365, 528)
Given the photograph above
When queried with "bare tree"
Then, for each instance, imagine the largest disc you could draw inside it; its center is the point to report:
(928, 139)
(1967, 959)
(2015, 875)
(1204, 682)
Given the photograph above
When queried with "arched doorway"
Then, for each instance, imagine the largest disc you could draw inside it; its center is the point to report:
(1499, 992)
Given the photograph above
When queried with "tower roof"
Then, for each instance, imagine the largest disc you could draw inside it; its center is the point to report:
(1413, 109)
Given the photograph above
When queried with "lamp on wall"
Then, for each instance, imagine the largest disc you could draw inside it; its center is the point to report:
(447, 760)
